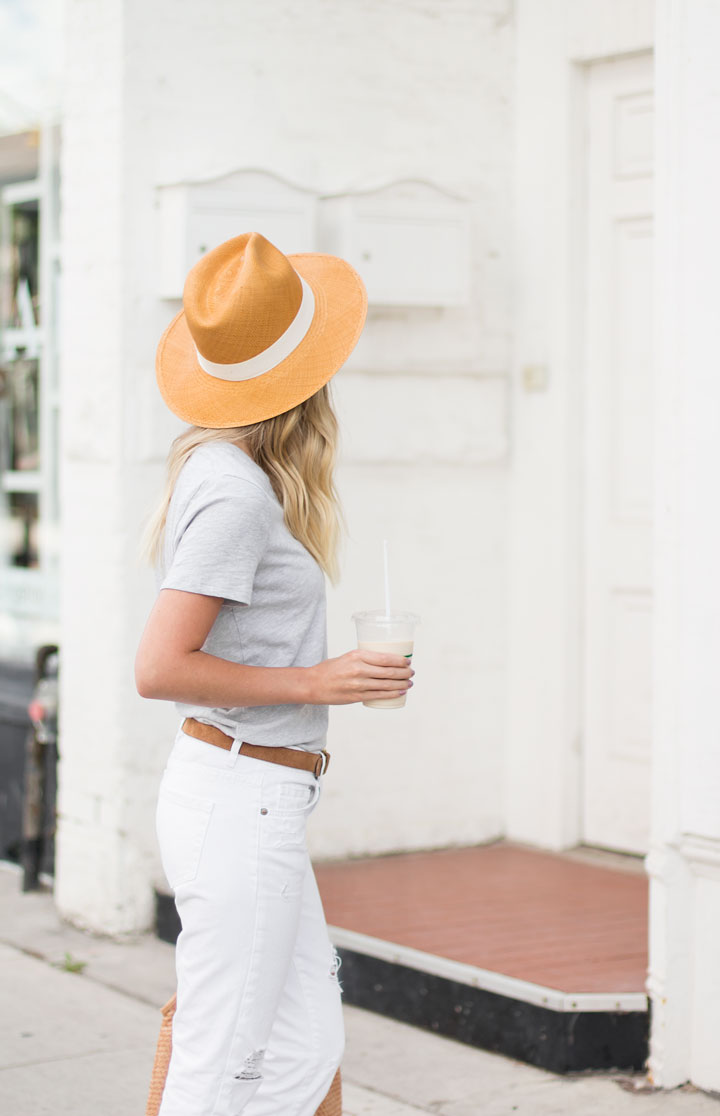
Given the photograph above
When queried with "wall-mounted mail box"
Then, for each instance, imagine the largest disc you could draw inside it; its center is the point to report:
(409, 253)
(195, 217)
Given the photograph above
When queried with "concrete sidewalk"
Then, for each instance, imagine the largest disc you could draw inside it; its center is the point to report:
(82, 1042)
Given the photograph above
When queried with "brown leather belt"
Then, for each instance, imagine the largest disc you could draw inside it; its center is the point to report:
(317, 762)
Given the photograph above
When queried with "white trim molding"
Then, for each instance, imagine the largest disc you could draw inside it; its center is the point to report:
(702, 854)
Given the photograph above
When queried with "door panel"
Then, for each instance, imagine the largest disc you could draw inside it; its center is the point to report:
(618, 475)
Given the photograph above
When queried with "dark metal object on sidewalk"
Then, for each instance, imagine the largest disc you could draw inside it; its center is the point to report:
(16, 686)
(38, 816)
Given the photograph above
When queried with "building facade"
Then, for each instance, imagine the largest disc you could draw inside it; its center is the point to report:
(528, 189)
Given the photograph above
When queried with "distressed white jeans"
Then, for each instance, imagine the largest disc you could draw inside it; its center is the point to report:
(258, 1026)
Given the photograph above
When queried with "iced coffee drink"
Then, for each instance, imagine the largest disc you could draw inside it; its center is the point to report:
(393, 634)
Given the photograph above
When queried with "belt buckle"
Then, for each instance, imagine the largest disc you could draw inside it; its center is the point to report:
(324, 758)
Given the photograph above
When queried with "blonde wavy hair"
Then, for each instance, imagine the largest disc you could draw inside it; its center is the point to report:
(297, 450)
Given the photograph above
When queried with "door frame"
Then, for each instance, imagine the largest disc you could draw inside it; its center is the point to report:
(543, 787)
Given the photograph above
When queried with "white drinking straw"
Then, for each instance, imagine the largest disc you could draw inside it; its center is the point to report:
(387, 579)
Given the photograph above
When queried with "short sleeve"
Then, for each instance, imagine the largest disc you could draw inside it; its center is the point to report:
(222, 535)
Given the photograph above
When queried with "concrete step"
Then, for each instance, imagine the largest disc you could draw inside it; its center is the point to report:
(558, 1030)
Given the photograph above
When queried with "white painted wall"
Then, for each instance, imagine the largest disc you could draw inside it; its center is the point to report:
(414, 91)
(332, 98)
(103, 858)
(553, 41)
(684, 863)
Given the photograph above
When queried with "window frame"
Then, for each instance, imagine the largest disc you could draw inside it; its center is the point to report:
(30, 597)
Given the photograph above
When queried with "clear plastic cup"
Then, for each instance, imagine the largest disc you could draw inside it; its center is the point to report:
(394, 634)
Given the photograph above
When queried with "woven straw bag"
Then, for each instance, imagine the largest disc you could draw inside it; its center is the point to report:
(330, 1106)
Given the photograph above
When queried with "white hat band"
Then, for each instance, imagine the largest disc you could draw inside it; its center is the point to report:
(277, 352)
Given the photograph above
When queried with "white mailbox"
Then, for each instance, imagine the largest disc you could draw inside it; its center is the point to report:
(409, 251)
(195, 217)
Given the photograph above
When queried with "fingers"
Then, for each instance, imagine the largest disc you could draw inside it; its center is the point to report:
(381, 658)
(389, 685)
(388, 673)
(371, 675)
(382, 695)
(398, 668)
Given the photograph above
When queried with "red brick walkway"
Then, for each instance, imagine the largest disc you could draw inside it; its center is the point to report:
(543, 917)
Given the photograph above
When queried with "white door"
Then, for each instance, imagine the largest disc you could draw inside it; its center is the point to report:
(618, 472)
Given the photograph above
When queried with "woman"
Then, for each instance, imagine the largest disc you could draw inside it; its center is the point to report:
(237, 640)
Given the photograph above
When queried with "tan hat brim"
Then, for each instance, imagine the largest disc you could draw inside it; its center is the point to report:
(204, 400)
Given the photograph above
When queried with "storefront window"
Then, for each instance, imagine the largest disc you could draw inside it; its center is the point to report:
(19, 266)
(29, 405)
(19, 402)
(20, 516)
(19, 381)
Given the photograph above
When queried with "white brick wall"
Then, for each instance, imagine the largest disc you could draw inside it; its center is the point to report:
(332, 97)
(335, 98)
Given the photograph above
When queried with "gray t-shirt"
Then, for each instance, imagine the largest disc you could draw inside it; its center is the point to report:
(225, 536)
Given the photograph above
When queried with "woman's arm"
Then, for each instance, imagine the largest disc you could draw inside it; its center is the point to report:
(170, 666)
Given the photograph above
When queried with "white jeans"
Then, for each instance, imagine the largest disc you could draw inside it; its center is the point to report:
(258, 1027)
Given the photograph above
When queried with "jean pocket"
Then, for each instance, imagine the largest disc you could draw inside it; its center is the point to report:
(288, 807)
(181, 823)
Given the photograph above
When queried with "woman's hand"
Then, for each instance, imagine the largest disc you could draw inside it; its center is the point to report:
(359, 676)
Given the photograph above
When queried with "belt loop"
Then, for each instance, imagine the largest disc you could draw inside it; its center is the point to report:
(234, 750)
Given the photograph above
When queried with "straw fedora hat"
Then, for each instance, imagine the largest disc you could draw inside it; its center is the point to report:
(259, 332)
